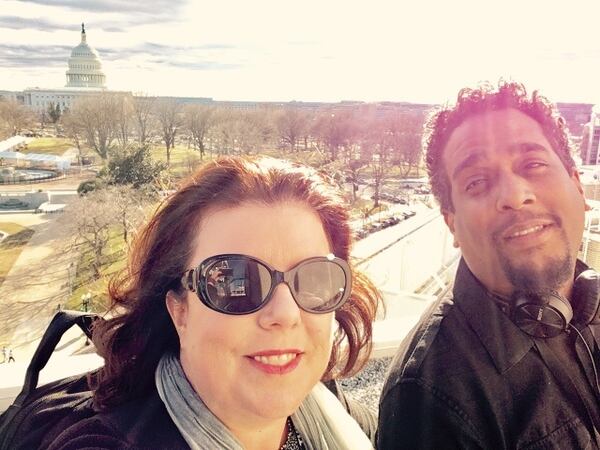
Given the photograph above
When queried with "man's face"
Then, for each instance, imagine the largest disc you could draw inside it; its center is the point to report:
(518, 213)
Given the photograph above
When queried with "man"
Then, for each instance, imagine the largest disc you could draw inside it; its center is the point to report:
(494, 365)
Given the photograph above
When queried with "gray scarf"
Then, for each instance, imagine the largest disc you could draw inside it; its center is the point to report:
(321, 420)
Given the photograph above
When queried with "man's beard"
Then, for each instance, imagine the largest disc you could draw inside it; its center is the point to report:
(533, 279)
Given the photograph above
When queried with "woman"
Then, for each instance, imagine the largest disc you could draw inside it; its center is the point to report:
(227, 319)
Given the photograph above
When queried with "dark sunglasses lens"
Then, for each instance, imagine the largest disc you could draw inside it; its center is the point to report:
(237, 285)
(320, 286)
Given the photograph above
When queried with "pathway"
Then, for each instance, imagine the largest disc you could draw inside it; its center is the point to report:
(37, 283)
(40, 278)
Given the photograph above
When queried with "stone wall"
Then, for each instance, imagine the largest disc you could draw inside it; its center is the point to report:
(23, 200)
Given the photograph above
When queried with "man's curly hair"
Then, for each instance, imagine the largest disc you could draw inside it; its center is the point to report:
(472, 101)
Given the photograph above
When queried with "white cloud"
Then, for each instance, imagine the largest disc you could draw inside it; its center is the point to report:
(281, 50)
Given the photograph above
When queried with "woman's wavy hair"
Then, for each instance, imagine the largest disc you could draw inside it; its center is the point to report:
(485, 98)
(141, 330)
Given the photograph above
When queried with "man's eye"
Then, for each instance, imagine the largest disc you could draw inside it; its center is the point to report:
(532, 165)
(476, 185)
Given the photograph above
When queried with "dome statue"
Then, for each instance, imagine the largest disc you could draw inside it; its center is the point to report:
(85, 67)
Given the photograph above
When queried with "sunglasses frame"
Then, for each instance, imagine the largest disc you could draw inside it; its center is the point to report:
(195, 280)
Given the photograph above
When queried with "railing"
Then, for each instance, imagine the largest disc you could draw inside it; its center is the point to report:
(35, 178)
(410, 261)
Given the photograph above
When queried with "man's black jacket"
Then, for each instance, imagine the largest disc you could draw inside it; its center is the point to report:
(468, 378)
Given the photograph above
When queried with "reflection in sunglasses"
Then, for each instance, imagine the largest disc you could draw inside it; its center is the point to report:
(240, 284)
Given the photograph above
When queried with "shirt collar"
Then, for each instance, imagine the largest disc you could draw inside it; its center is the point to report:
(503, 340)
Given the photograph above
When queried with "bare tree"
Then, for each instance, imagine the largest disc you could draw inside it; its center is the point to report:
(338, 131)
(143, 106)
(246, 129)
(291, 126)
(55, 113)
(97, 118)
(352, 171)
(42, 118)
(14, 117)
(89, 219)
(198, 121)
(405, 130)
(74, 131)
(130, 206)
(376, 150)
(222, 134)
(124, 116)
(265, 129)
(168, 114)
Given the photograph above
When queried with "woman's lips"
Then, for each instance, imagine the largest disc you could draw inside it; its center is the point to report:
(278, 362)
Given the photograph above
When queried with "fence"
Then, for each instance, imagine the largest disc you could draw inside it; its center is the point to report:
(35, 178)
(410, 261)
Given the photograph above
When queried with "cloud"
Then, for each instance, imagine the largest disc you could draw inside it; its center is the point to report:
(155, 48)
(20, 55)
(163, 8)
(198, 65)
(53, 56)
(18, 23)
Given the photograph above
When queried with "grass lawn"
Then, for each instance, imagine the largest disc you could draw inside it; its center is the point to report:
(49, 146)
(179, 155)
(183, 160)
(115, 258)
(12, 245)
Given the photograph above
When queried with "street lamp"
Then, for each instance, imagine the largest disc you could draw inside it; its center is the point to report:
(85, 302)
(85, 305)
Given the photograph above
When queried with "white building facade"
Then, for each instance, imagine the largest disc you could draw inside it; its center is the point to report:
(85, 67)
(84, 75)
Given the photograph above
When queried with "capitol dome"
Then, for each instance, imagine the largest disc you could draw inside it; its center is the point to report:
(85, 67)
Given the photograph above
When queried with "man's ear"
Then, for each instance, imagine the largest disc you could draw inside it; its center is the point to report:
(577, 181)
(177, 310)
(449, 219)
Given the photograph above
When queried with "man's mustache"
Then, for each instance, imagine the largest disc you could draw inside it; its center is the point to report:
(521, 216)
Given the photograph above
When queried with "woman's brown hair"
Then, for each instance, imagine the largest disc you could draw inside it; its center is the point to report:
(141, 331)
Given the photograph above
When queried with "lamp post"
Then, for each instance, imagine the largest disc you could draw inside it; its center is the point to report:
(85, 302)
(85, 305)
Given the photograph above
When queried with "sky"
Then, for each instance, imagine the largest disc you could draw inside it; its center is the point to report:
(323, 50)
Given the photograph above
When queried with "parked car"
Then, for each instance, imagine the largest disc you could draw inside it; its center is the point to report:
(393, 220)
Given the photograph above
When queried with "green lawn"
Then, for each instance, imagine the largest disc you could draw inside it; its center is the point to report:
(179, 155)
(12, 245)
(183, 160)
(115, 258)
(49, 146)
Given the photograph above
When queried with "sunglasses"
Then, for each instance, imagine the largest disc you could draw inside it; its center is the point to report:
(240, 284)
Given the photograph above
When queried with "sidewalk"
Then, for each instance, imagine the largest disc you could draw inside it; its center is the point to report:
(36, 284)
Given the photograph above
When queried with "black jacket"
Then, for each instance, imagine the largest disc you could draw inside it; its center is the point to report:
(468, 378)
(145, 424)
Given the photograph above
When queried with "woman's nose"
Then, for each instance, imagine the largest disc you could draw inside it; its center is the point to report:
(281, 310)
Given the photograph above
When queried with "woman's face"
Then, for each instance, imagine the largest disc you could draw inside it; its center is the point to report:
(254, 368)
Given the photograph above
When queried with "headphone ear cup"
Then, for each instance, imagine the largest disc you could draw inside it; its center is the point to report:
(586, 292)
(541, 317)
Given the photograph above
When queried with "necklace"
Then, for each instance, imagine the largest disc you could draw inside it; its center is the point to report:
(293, 441)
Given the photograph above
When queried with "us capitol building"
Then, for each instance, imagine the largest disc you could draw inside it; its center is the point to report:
(84, 77)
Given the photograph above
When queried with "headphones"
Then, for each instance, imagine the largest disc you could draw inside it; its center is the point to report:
(550, 314)
(547, 315)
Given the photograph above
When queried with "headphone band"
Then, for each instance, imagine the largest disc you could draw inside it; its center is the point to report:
(548, 314)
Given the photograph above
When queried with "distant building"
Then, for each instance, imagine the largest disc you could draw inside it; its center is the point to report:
(591, 138)
(84, 77)
(576, 115)
(85, 67)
